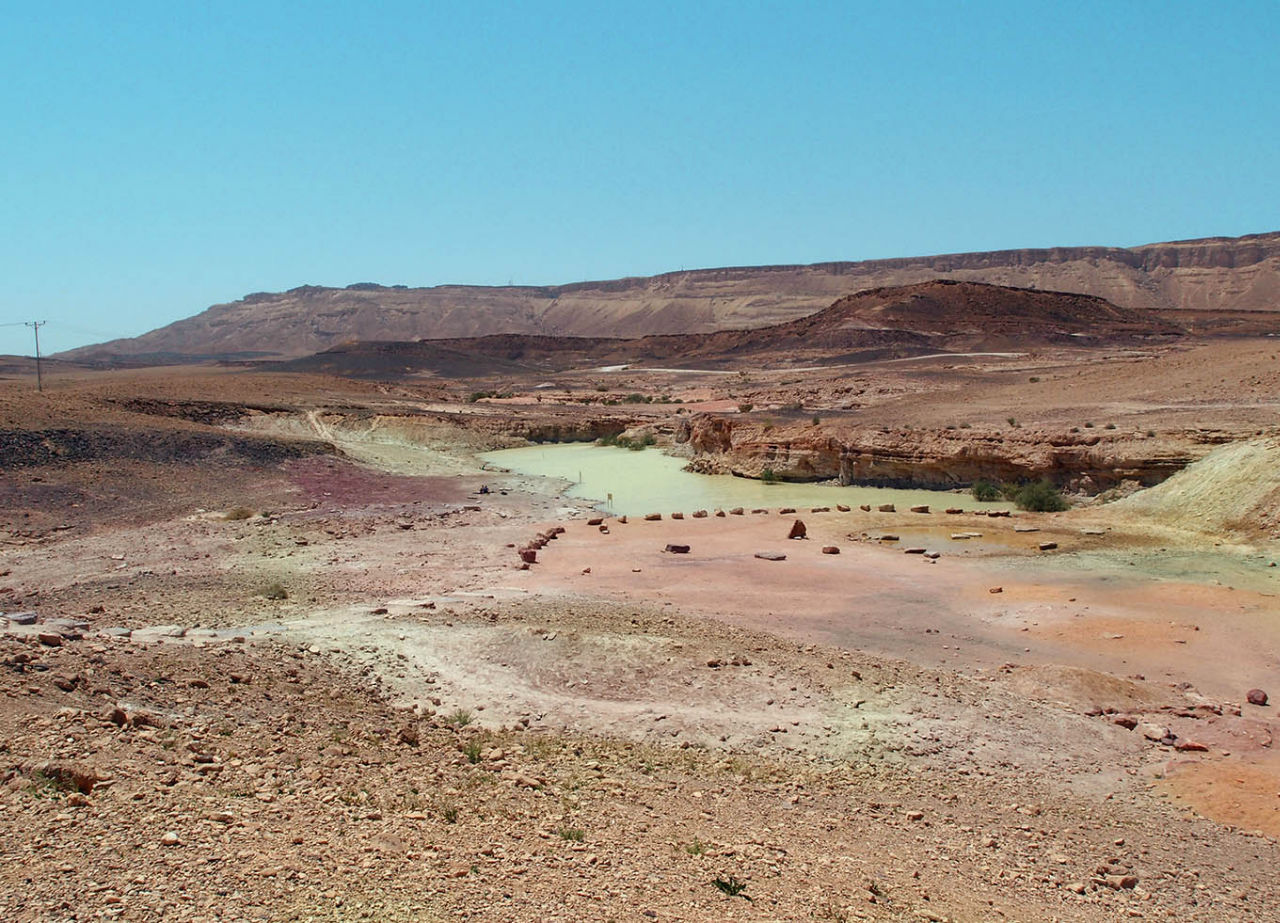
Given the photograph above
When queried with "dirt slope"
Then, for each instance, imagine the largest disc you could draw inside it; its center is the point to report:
(1216, 274)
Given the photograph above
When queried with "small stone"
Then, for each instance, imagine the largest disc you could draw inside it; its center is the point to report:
(771, 556)
(830, 549)
(1048, 546)
(996, 589)
(50, 638)
(170, 839)
(676, 549)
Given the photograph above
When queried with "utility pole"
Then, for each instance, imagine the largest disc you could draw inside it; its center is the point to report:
(35, 326)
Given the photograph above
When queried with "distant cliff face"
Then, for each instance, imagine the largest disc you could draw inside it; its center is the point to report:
(1216, 274)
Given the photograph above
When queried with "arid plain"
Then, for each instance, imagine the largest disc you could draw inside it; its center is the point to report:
(299, 652)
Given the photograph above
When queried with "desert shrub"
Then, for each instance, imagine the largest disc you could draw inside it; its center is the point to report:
(572, 834)
(1034, 379)
(1040, 497)
(966, 426)
(769, 476)
(985, 491)
(240, 512)
(1110, 426)
(275, 590)
(746, 408)
(1013, 421)
(1088, 425)
(816, 420)
(461, 717)
(634, 398)
(472, 750)
(478, 396)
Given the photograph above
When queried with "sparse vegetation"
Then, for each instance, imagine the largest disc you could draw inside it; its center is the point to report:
(240, 512)
(572, 834)
(986, 491)
(1013, 421)
(275, 590)
(1040, 497)
(745, 407)
(461, 718)
(472, 748)
(769, 476)
(816, 420)
(731, 886)
(696, 848)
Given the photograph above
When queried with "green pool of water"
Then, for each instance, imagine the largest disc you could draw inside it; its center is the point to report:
(634, 483)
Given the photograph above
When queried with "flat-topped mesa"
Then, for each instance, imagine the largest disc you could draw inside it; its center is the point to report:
(1214, 274)
(1086, 462)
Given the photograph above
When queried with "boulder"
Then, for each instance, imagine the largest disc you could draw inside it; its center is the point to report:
(830, 549)
(21, 618)
(1048, 546)
(840, 507)
(529, 555)
(758, 510)
(797, 529)
(921, 508)
(865, 507)
(771, 556)
(720, 514)
(652, 517)
(954, 511)
(677, 515)
(736, 511)
(820, 509)
(699, 514)
(1257, 697)
(595, 520)
(887, 508)
(913, 550)
(786, 511)
(677, 549)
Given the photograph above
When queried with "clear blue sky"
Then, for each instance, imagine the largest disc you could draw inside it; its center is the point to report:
(159, 157)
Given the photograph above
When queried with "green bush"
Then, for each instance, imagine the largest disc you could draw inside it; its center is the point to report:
(769, 476)
(1040, 497)
(985, 491)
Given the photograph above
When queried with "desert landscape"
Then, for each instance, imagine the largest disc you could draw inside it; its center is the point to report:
(637, 611)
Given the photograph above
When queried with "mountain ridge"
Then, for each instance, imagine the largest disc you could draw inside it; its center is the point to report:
(1200, 274)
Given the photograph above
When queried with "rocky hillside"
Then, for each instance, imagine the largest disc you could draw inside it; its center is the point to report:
(1215, 274)
(887, 322)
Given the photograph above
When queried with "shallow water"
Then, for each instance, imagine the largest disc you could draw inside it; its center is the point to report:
(630, 483)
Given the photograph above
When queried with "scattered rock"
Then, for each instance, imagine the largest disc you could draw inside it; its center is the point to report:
(1257, 697)
(676, 549)
(736, 511)
(771, 556)
(887, 508)
(797, 529)
(830, 549)
(21, 618)
(529, 555)
(1048, 546)
(595, 520)
(995, 589)
(786, 511)
(699, 514)
(865, 507)
(50, 638)
(652, 517)
(913, 551)
(1156, 732)
(921, 508)
(170, 839)
(840, 507)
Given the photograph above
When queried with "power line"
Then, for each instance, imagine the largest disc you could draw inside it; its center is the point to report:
(35, 326)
